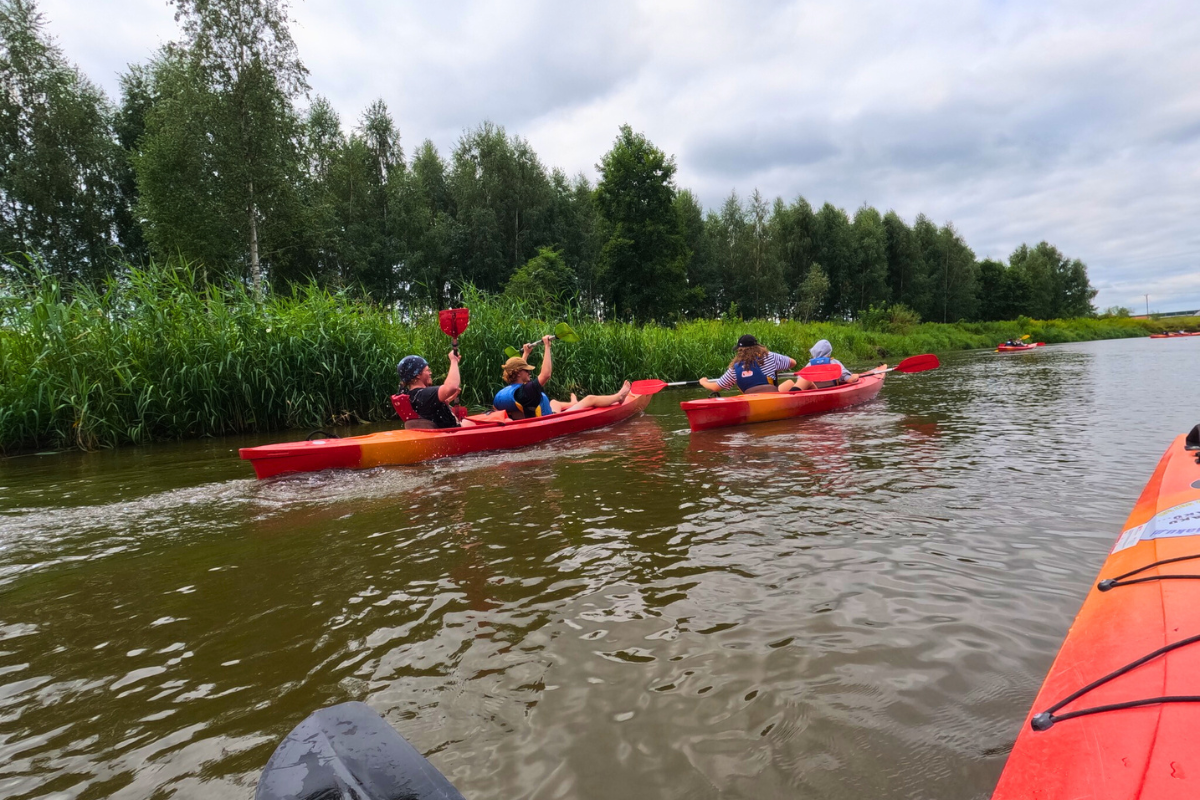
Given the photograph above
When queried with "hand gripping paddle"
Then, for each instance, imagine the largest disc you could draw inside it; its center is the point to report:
(562, 332)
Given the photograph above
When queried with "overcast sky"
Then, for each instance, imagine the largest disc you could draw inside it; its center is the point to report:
(1073, 122)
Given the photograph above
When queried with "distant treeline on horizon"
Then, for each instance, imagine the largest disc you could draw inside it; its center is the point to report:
(209, 158)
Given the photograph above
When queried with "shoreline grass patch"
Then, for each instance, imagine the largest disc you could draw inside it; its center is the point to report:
(158, 355)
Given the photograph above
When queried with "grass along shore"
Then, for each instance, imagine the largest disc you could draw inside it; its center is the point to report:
(157, 356)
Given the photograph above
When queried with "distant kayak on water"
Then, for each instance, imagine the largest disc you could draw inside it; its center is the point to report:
(1118, 714)
(1016, 348)
(493, 431)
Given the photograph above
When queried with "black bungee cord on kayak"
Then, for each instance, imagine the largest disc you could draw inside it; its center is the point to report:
(1112, 583)
(1047, 718)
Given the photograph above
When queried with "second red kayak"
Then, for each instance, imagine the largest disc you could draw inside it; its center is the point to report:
(1118, 714)
(1007, 348)
(719, 412)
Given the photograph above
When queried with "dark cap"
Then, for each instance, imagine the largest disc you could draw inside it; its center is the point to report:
(747, 341)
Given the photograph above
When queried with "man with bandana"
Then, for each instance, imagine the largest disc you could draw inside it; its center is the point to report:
(429, 401)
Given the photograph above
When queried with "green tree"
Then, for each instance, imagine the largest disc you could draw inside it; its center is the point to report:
(811, 294)
(545, 284)
(59, 159)
(903, 261)
(643, 265)
(792, 242)
(503, 201)
(833, 241)
(867, 282)
(706, 292)
(219, 163)
(428, 229)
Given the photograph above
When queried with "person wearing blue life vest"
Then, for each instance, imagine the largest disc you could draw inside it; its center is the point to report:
(822, 353)
(523, 395)
(754, 369)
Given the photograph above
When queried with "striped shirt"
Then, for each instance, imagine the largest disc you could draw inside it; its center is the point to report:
(771, 364)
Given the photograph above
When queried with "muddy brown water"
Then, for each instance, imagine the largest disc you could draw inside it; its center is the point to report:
(860, 604)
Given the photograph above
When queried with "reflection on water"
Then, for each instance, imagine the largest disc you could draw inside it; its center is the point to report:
(856, 604)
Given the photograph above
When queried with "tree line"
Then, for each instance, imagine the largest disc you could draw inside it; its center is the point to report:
(215, 154)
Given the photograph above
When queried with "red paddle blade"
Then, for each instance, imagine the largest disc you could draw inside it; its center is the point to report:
(919, 363)
(648, 386)
(453, 321)
(821, 372)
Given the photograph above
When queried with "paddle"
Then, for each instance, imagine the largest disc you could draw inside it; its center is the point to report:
(348, 750)
(562, 332)
(816, 372)
(453, 322)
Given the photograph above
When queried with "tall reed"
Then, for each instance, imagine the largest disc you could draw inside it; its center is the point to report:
(156, 354)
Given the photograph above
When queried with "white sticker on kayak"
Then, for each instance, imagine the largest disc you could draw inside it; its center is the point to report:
(1182, 520)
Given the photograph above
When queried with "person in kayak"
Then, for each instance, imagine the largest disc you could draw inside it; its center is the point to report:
(754, 369)
(822, 353)
(429, 401)
(523, 395)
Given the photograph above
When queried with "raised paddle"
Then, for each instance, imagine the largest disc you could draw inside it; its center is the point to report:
(453, 321)
(562, 332)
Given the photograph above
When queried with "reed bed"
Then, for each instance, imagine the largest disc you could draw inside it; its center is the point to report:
(156, 355)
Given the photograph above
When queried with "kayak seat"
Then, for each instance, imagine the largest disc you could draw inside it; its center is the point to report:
(419, 424)
(764, 389)
(403, 406)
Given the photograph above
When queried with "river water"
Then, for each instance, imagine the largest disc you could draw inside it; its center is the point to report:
(861, 604)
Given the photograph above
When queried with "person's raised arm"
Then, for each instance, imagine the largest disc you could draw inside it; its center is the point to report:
(449, 390)
(712, 386)
(547, 365)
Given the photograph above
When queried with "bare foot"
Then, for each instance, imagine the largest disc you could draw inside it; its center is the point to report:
(621, 395)
(574, 399)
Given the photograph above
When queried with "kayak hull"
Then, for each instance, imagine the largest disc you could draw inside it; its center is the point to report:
(1004, 348)
(720, 412)
(412, 446)
(1173, 335)
(1145, 752)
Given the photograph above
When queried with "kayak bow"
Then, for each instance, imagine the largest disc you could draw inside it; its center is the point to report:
(718, 412)
(1118, 713)
(493, 432)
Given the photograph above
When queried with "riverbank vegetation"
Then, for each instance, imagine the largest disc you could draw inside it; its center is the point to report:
(160, 353)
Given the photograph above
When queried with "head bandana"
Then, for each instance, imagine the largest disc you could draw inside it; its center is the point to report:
(410, 367)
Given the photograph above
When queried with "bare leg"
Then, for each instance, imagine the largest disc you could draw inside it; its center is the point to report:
(786, 386)
(802, 383)
(559, 405)
(601, 400)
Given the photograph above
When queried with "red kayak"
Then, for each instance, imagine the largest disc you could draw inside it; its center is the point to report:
(1119, 712)
(492, 432)
(718, 412)
(1008, 348)
(1179, 335)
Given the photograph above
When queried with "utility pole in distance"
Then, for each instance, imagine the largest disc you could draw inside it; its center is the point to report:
(1147, 306)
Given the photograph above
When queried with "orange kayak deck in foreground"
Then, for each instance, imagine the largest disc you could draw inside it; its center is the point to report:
(1147, 751)
(411, 446)
(718, 412)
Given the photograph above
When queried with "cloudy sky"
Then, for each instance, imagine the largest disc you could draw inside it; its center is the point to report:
(1073, 121)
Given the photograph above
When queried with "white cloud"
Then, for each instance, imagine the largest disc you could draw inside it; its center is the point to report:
(1075, 121)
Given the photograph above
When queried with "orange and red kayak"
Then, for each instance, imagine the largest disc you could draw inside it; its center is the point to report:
(1119, 714)
(718, 412)
(1008, 348)
(492, 432)
(1179, 335)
